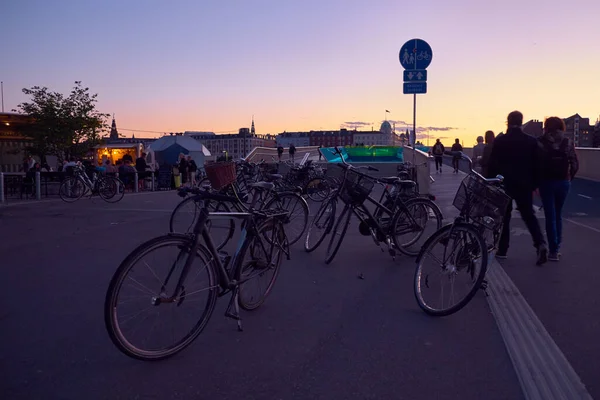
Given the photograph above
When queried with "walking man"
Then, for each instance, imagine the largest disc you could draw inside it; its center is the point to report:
(438, 153)
(516, 156)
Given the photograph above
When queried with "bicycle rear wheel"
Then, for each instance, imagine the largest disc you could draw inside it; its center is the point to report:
(339, 231)
(132, 297)
(296, 224)
(455, 252)
(413, 224)
(260, 261)
(184, 216)
(320, 225)
(111, 189)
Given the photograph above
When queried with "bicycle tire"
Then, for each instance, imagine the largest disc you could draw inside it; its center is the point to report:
(119, 190)
(63, 186)
(328, 224)
(434, 239)
(110, 308)
(303, 204)
(342, 222)
(241, 265)
(401, 213)
(188, 228)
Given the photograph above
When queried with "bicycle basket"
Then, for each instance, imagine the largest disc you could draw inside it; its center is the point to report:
(355, 187)
(477, 199)
(220, 174)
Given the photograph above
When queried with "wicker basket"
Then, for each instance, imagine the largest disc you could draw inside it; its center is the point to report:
(477, 199)
(220, 174)
(355, 187)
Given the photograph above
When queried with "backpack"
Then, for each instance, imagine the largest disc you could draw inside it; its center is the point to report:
(437, 150)
(556, 160)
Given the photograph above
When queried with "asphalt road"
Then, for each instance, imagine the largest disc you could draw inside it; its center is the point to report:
(323, 334)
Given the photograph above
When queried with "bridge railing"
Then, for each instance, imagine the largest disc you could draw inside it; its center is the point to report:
(268, 153)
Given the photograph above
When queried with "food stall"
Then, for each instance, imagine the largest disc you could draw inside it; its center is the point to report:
(116, 152)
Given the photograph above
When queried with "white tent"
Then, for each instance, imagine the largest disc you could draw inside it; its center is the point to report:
(167, 149)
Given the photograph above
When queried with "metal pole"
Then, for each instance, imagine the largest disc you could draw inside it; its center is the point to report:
(38, 186)
(1, 188)
(414, 127)
(2, 91)
(136, 182)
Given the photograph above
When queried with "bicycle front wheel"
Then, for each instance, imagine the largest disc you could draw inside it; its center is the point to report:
(320, 225)
(339, 231)
(450, 269)
(260, 260)
(143, 314)
(111, 189)
(71, 189)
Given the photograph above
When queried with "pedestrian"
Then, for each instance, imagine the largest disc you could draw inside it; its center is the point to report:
(456, 147)
(559, 167)
(279, 152)
(487, 150)
(438, 154)
(292, 151)
(478, 154)
(320, 154)
(516, 156)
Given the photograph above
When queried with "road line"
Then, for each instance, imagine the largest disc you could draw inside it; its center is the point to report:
(584, 196)
(543, 370)
(582, 225)
(131, 209)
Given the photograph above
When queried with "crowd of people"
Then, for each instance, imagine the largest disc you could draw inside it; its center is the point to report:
(543, 167)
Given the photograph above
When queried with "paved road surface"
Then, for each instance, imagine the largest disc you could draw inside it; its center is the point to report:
(323, 333)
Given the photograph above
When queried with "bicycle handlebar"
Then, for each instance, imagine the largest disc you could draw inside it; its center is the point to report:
(339, 152)
(206, 195)
(463, 156)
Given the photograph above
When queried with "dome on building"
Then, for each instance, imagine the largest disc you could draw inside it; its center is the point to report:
(386, 128)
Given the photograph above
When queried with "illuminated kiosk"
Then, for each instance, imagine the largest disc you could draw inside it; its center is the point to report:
(115, 152)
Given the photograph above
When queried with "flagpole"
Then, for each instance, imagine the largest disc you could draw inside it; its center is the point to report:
(2, 91)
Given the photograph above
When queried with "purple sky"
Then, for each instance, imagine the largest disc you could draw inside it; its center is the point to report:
(300, 65)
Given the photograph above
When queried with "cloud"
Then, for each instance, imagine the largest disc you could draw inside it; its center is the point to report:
(354, 124)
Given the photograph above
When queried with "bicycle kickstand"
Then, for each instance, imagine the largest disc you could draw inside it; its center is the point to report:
(233, 309)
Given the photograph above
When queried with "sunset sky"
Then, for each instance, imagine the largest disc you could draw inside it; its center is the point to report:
(209, 65)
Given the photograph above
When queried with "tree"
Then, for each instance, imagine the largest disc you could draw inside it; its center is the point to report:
(62, 126)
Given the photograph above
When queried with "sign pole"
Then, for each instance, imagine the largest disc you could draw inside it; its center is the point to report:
(414, 138)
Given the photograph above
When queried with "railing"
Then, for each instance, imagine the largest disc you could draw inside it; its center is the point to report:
(11, 182)
(268, 153)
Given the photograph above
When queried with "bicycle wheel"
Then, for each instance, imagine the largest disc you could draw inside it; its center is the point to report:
(130, 297)
(111, 189)
(295, 225)
(259, 264)
(317, 189)
(320, 225)
(413, 224)
(339, 231)
(184, 216)
(71, 189)
(454, 252)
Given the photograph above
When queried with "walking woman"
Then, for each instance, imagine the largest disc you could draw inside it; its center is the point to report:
(559, 166)
(487, 150)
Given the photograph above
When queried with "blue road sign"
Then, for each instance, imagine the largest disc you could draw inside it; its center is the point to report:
(415, 87)
(415, 54)
(415, 75)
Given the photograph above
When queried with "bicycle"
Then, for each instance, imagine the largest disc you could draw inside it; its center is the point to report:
(475, 234)
(262, 245)
(389, 223)
(263, 196)
(74, 187)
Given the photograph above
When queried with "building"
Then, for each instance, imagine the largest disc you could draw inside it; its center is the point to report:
(235, 145)
(343, 137)
(298, 139)
(580, 132)
(12, 143)
(384, 137)
(115, 138)
(533, 127)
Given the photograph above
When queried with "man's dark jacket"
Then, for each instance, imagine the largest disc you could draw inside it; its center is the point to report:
(516, 156)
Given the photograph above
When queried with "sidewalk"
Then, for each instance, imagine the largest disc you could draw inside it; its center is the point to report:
(561, 295)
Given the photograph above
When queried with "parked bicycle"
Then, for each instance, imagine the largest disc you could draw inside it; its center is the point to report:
(109, 188)
(397, 222)
(461, 251)
(259, 195)
(189, 270)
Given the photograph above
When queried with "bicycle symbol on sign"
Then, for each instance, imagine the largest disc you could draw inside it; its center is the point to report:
(423, 55)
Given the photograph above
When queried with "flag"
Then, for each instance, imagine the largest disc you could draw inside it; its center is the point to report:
(387, 111)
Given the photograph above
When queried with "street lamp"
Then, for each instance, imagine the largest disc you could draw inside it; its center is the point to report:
(225, 152)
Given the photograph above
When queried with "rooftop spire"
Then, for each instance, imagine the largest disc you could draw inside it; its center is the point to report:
(252, 130)
(114, 134)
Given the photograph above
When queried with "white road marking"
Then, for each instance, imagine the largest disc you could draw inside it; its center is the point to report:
(584, 196)
(591, 228)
